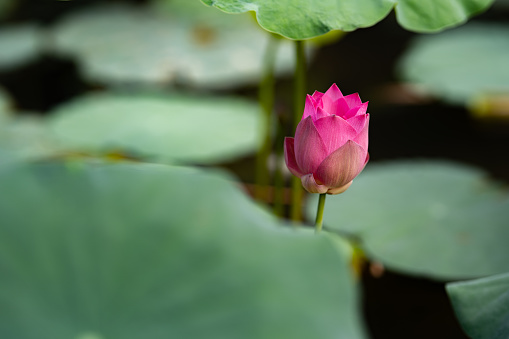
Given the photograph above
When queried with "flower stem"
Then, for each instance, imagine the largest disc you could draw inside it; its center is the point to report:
(319, 213)
(266, 98)
(299, 100)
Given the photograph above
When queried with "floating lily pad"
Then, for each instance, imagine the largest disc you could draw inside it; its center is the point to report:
(461, 64)
(151, 251)
(481, 306)
(118, 45)
(159, 128)
(118, 42)
(195, 14)
(302, 19)
(440, 220)
(24, 138)
(20, 45)
(196, 11)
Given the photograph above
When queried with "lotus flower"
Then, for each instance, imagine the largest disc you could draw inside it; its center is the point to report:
(330, 147)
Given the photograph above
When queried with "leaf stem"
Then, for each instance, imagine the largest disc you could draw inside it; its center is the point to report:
(266, 99)
(279, 178)
(319, 213)
(299, 99)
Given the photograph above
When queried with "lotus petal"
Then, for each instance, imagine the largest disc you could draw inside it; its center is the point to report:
(339, 190)
(290, 161)
(309, 108)
(309, 183)
(362, 135)
(342, 166)
(353, 100)
(310, 149)
(318, 96)
(341, 107)
(333, 93)
(320, 113)
(335, 131)
(330, 98)
(359, 110)
(358, 122)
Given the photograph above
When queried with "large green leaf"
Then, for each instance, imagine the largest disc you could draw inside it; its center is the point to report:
(302, 19)
(436, 219)
(482, 306)
(20, 44)
(150, 251)
(436, 15)
(116, 45)
(155, 127)
(462, 64)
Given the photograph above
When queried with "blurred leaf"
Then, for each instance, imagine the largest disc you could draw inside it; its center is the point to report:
(24, 138)
(302, 19)
(151, 251)
(437, 15)
(481, 306)
(119, 44)
(436, 219)
(461, 64)
(328, 38)
(20, 44)
(194, 12)
(177, 128)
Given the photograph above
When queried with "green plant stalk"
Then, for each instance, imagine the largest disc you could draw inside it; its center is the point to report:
(266, 99)
(279, 179)
(319, 213)
(299, 100)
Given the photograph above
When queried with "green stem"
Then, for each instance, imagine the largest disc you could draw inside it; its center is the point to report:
(299, 100)
(319, 213)
(279, 179)
(266, 98)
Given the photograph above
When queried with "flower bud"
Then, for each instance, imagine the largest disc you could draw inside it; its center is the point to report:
(330, 147)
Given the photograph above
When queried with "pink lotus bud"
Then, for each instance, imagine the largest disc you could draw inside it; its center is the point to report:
(330, 147)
